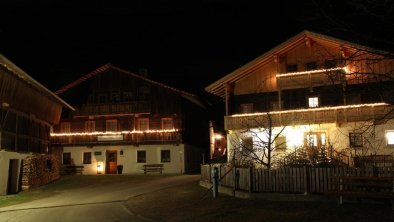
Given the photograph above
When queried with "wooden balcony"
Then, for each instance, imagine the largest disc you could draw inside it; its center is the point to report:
(310, 78)
(338, 114)
(134, 139)
(114, 108)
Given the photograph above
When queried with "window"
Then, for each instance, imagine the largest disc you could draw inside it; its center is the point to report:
(127, 96)
(355, 139)
(111, 125)
(141, 156)
(115, 96)
(87, 157)
(247, 108)
(167, 123)
(65, 127)
(280, 143)
(313, 102)
(329, 64)
(90, 126)
(390, 138)
(66, 158)
(311, 66)
(165, 156)
(143, 124)
(102, 98)
(291, 68)
(246, 145)
(315, 139)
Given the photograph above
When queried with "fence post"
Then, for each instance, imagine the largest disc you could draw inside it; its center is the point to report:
(250, 180)
(306, 181)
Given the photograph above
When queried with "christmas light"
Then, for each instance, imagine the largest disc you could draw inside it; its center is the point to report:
(313, 109)
(310, 72)
(112, 133)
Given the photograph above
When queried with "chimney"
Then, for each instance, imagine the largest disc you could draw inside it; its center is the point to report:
(143, 72)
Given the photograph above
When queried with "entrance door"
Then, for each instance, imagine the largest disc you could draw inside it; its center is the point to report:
(12, 185)
(111, 162)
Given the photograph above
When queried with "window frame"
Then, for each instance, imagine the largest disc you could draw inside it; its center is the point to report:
(308, 100)
(90, 126)
(352, 140)
(143, 160)
(68, 162)
(387, 138)
(87, 157)
(165, 156)
(107, 125)
(139, 121)
(165, 119)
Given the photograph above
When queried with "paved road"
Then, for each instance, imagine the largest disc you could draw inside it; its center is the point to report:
(103, 203)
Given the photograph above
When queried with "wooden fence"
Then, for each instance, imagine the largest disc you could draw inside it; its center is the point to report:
(286, 180)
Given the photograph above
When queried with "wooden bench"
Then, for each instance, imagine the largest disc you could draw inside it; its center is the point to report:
(368, 187)
(153, 168)
(71, 169)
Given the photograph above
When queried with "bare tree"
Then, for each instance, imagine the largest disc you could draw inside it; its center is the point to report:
(255, 146)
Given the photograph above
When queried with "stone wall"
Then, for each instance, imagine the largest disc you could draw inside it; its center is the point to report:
(39, 170)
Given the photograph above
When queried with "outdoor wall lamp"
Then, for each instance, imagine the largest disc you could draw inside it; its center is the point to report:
(100, 167)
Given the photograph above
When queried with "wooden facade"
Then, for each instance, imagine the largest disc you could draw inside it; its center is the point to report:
(117, 108)
(27, 112)
(309, 80)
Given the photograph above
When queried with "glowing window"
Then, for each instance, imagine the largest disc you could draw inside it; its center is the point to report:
(390, 138)
(313, 102)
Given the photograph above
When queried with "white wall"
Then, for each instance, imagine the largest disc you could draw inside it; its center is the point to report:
(5, 157)
(337, 135)
(129, 157)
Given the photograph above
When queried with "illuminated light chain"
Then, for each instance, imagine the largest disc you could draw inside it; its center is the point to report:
(113, 133)
(312, 109)
(311, 72)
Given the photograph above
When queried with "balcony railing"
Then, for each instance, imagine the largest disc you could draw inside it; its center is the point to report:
(311, 78)
(135, 139)
(338, 114)
(115, 108)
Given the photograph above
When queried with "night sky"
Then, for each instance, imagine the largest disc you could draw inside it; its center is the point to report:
(186, 44)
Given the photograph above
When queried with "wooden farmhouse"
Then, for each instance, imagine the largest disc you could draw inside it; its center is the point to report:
(27, 112)
(330, 95)
(125, 119)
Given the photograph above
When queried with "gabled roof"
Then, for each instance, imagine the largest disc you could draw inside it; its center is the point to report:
(217, 87)
(193, 98)
(14, 69)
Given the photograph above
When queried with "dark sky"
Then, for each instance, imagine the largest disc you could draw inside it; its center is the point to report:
(187, 44)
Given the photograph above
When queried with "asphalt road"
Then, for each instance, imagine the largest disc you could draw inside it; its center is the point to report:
(102, 203)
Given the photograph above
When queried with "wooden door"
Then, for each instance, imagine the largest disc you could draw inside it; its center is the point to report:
(111, 162)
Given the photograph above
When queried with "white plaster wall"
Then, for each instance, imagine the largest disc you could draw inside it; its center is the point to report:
(5, 157)
(129, 157)
(375, 141)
